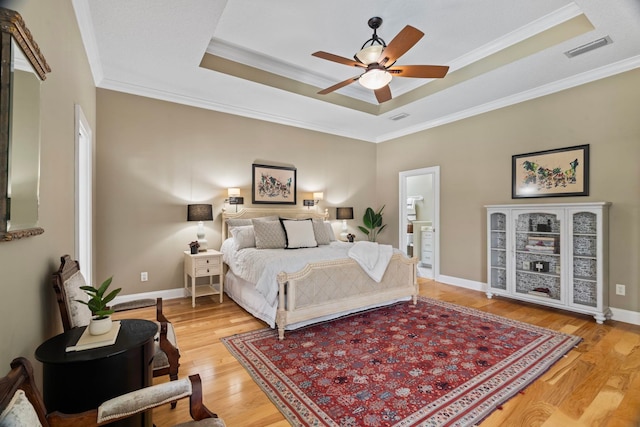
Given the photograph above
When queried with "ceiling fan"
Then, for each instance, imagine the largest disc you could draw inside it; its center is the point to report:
(378, 59)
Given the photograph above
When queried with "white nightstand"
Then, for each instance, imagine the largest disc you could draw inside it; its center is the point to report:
(203, 264)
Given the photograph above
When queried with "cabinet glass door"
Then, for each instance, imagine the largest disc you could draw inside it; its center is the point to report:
(537, 254)
(584, 272)
(498, 251)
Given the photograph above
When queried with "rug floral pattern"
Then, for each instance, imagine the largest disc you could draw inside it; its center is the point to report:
(430, 364)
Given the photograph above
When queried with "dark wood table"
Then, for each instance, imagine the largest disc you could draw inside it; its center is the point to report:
(81, 380)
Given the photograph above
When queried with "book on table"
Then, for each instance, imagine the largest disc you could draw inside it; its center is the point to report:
(88, 341)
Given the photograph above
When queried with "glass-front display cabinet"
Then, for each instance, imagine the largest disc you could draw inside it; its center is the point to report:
(551, 254)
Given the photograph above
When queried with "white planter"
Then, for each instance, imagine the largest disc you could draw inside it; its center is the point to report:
(100, 326)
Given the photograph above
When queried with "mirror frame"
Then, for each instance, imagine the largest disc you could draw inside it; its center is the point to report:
(13, 27)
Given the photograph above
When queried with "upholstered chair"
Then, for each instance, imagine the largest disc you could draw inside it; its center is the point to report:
(21, 403)
(67, 282)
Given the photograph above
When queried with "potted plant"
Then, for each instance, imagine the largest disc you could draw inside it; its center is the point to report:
(98, 303)
(372, 223)
(194, 246)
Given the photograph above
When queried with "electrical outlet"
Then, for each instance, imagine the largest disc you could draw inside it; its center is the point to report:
(620, 289)
(144, 276)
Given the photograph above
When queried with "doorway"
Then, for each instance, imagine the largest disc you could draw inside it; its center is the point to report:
(84, 194)
(420, 218)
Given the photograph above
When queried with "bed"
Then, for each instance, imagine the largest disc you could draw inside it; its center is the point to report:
(295, 288)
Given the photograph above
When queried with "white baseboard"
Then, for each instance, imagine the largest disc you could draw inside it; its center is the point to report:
(626, 316)
(462, 283)
(165, 294)
(617, 314)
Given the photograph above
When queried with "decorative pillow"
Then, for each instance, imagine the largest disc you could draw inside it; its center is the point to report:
(269, 234)
(332, 234)
(299, 233)
(19, 412)
(237, 222)
(320, 232)
(243, 222)
(243, 237)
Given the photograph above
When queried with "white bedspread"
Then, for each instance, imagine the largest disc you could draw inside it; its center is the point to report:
(261, 266)
(372, 257)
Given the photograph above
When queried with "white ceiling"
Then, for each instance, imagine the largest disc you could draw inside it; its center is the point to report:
(154, 48)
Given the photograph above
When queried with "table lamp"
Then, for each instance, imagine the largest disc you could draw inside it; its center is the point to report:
(200, 213)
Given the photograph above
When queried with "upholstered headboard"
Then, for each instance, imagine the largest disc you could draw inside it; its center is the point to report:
(248, 213)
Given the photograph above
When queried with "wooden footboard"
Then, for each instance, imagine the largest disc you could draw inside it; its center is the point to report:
(330, 287)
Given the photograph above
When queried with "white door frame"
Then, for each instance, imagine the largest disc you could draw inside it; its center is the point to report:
(84, 194)
(435, 172)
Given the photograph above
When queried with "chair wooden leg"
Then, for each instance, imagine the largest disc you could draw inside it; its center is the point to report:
(173, 377)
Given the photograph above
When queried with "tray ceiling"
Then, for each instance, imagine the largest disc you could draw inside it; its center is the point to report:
(253, 58)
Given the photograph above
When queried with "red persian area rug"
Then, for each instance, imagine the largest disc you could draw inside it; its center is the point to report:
(430, 364)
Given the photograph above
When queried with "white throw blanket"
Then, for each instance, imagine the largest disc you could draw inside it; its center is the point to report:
(372, 257)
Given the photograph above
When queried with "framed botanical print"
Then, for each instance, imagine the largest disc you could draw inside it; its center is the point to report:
(551, 173)
(273, 184)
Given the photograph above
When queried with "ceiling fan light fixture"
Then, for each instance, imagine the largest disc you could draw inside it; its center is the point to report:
(370, 54)
(375, 79)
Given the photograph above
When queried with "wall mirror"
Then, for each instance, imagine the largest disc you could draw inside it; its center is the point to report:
(22, 70)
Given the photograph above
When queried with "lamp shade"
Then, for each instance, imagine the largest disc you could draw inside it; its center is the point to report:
(318, 195)
(200, 212)
(344, 213)
(370, 54)
(375, 79)
(233, 192)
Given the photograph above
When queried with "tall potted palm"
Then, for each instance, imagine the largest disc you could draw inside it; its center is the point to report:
(372, 223)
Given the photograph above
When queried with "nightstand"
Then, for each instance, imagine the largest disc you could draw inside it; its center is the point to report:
(203, 264)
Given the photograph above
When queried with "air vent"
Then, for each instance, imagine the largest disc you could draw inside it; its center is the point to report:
(588, 47)
(399, 117)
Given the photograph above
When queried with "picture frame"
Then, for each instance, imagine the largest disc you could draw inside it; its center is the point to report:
(273, 185)
(561, 172)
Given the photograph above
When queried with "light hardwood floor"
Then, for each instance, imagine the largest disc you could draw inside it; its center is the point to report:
(596, 384)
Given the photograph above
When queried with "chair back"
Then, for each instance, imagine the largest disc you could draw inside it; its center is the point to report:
(67, 282)
(20, 401)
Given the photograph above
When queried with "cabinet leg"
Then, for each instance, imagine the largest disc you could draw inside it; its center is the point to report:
(193, 292)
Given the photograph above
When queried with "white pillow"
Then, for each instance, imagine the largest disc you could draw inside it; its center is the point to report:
(299, 233)
(19, 412)
(243, 237)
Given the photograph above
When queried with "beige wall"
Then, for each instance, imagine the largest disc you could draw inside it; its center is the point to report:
(28, 313)
(155, 157)
(474, 156)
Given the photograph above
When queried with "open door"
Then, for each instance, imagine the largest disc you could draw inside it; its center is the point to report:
(420, 218)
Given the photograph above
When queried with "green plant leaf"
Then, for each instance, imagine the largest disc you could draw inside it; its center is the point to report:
(372, 223)
(98, 303)
(364, 230)
(111, 296)
(369, 218)
(103, 288)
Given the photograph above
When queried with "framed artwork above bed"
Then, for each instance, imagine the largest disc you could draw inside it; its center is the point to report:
(273, 185)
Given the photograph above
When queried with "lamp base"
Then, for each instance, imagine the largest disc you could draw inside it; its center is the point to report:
(201, 240)
(345, 231)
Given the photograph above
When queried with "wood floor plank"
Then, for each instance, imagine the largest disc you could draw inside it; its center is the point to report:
(597, 384)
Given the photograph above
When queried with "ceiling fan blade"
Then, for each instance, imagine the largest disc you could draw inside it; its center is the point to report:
(400, 44)
(338, 85)
(339, 59)
(420, 71)
(383, 94)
